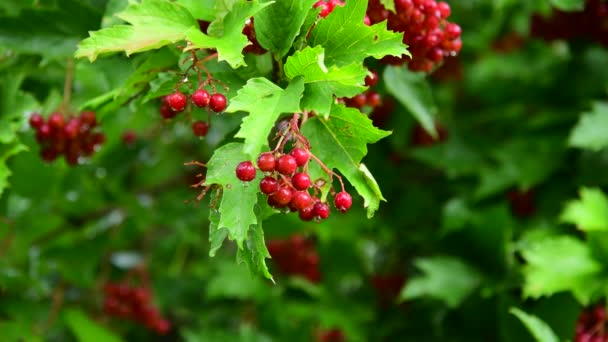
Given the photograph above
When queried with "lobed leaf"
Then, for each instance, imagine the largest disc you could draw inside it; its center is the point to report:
(590, 213)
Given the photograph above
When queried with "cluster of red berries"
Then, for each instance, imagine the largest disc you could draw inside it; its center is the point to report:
(369, 98)
(133, 303)
(591, 325)
(327, 6)
(177, 101)
(425, 28)
(522, 203)
(590, 23)
(286, 186)
(73, 137)
(295, 255)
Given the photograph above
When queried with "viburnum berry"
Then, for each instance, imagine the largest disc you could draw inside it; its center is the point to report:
(373, 99)
(283, 196)
(269, 185)
(301, 155)
(286, 164)
(343, 201)
(129, 137)
(266, 162)
(245, 171)
(72, 128)
(167, 112)
(88, 118)
(306, 214)
(36, 120)
(56, 121)
(177, 101)
(200, 128)
(300, 181)
(217, 102)
(321, 210)
(201, 98)
(371, 79)
(301, 200)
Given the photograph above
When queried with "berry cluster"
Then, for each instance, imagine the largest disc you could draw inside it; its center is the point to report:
(133, 303)
(177, 101)
(295, 255)
(286, 180)
(591, 325)
(420, 137)
(255, 46)
(425, 28)
(369, 98)
(590, 23)
(74, 137)
(522, 203)
(327, 6)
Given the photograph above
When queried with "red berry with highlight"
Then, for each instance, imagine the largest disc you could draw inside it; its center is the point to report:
(266, 162)
(343, 201)
(201, 98)
(218, 102)
(300, 181)
(321, 210)
(200, 128)
(56, 121)
(306, 214)
(371, 79)
(167, 112)
(177, 101)
(36, 120)
(286, 164)
(301, 155)
(245, 171)
(283, 196)
(301, 200)
(269, 185)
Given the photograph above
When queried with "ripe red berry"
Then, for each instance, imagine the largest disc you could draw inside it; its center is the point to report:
(373, 99)
(300, 181)
(452, 31)
(343, 201)
(72, 128)
(306, 214)
(177, 101)
(56, 121)
(36, 120)
(283, 196)
(321, 210)
(301, 155)
(301, 200)
(269, 185)
(200, 128)
(266, 162)
(141, 296)
(444, 9)
(129, 137)
(359, 101)
(167, 112)
(201, 98)
(218, 102)
(44, 132)
(286, 164)
(371, 79)
(88, 118)
(245, 171)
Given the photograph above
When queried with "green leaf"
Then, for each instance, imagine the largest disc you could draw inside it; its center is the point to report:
(255, 252)
(589, 213)
(348, 40)
(7, 151)
(87, 330)
(560, 264)
(389, 5)
(590, 131)
(216, 235)
(569, 5)
(154, 24)
(448, 279)
(200, 9)
(323, 83)
(226, 34)
(414, 93)
(238, 198)
(264, 101)
(276, 28)
(341, 143)
(541, 331)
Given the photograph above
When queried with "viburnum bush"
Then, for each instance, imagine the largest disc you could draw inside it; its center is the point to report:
(381, 170)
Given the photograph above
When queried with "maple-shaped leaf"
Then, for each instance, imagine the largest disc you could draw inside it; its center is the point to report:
(348, 40)
(561, 263)
(225, 33)
(254, 252)
(236, 213)
(341, 143)
(590, 131)
(153, 24)
(264, 101)
(322, 83)
(588, 213)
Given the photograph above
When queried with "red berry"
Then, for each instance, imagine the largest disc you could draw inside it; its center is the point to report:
(306, 214)
(201, 98)
(44, 132)
(373, 99)
(177, 101)
(359, 101)
(129, 137)
(48, 154)
(301, 155)
(286, 164)
(283, 196)
(300, 181)
(269, 185)
(141, 295)
(266, 162)
(200, 128)
(452, 31)
(72, 128)
(367, 21)
(56, 121)
(321, 210)
(343, 201)
(444, 9)
(245, 171)
(36, 120)
(371, 79)
(167, 112)
(301, 200)
(218, 102)
(88, 118)
(162, 326)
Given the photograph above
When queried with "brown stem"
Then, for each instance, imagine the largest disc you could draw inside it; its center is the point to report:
(67, 85)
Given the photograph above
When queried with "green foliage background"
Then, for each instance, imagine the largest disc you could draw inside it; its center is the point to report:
(531, 117)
